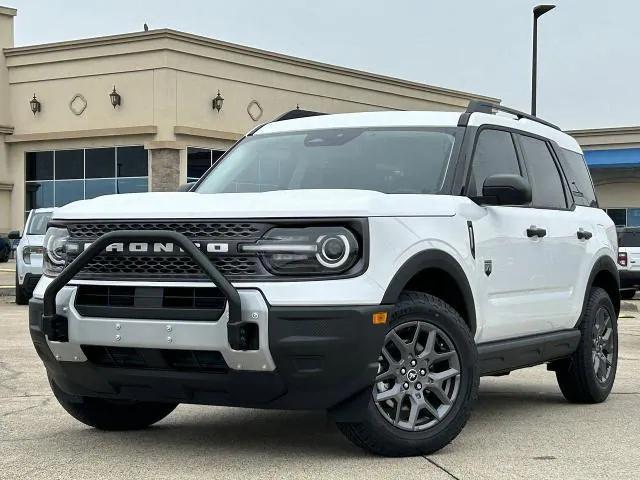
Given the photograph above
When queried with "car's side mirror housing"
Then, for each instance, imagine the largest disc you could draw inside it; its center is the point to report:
(14, 235)
(506, 189)
(186, 187)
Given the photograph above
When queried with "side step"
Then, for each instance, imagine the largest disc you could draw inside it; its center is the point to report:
(502, 356)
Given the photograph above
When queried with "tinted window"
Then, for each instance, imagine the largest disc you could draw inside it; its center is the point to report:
(132, 162)
(69, 164)
(69, 191)
(494, 154)
(618, 215)
(100, 163)
(39, 165)
(38, 194)
(198, 162)
(579, 179)
(378, 159)
(629, 238)
(543, 174)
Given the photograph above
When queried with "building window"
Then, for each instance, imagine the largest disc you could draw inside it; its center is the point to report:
(625, 217)
(199, 160)
(55, 178)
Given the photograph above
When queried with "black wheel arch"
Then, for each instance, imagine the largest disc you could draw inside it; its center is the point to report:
(434, 260)
(604, 274)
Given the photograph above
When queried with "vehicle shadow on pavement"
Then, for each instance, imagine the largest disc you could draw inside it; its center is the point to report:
(236, 431)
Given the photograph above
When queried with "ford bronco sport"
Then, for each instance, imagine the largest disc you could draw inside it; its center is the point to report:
(373, 265)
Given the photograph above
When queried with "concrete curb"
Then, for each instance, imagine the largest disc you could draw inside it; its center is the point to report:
(7, 291)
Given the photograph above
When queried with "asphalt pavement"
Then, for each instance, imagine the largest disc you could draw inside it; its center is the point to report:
(521, 428)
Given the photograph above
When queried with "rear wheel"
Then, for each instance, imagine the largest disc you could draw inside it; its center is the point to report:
(588, 375)
(106, 414)
(427, 381)
(22, 298)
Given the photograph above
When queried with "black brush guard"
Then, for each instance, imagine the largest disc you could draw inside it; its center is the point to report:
(54, 325)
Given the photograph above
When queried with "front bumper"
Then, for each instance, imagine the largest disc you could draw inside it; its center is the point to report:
(309, 358)
(629, 278)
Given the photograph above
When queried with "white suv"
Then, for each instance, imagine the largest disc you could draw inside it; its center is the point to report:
(29, 253)
(374, 265)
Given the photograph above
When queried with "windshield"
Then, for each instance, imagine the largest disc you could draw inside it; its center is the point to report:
(38, 223)
(388, 160)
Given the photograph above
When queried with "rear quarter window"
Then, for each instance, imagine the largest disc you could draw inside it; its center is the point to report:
(579, 178)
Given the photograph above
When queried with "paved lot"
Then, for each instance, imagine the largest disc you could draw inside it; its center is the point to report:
(521, 428)
(7, 277)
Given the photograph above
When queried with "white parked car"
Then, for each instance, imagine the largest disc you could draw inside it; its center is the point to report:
(29, 253)
(374, 265)
(629, 261)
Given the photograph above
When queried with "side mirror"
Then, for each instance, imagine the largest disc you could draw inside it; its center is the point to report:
(506, 189)
(186, 187)
(14, 235)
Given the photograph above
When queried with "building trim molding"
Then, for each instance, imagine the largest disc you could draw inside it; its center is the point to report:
(90, 133)
(6, 129)
(6, 187)
(206, 133)
(163, 34)
(11, 12)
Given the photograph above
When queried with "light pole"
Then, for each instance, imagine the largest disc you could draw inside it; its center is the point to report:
(537, 13)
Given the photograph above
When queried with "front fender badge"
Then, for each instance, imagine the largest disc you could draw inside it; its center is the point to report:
(488, 267)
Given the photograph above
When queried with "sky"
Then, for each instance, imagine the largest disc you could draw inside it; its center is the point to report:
(589, 55)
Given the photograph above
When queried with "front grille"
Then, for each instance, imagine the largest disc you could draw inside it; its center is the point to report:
(155, 303)
(156, 359)
(173, 265)
(201, 230)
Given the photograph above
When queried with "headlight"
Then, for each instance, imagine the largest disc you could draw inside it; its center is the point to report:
(55, 255)
(28, 251)
(306, 251)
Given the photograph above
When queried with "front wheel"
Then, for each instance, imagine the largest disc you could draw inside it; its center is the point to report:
(588, 375)
(105, 414)
(427, 381)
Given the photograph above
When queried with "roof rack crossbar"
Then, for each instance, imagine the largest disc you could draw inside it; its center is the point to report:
(477, 106)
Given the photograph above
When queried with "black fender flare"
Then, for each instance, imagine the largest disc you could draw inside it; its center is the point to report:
(432, 259)
(603, 264)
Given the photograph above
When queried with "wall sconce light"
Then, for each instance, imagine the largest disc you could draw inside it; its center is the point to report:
(218, 101)
(115, 97)
(36, 106)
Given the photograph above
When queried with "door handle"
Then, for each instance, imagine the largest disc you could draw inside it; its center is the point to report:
(534, 231)
(583, 234)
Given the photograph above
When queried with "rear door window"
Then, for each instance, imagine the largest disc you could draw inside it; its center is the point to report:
(546, 182)
(579, 178)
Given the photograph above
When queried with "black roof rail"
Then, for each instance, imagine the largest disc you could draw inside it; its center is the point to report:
(297, 113)
(478, 106)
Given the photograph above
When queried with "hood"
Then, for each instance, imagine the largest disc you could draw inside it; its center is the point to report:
(277, 204)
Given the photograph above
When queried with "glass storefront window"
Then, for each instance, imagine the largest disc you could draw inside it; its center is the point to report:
(199, 160)
(56, 178)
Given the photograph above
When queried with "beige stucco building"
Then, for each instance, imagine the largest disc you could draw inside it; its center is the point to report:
(166, 129)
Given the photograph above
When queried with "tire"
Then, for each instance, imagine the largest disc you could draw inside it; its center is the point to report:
(377, 432)
(578, 377)
(105, 414)
(22, 298)
(627, 293)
